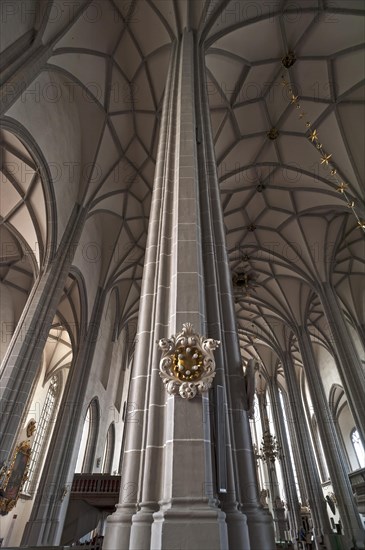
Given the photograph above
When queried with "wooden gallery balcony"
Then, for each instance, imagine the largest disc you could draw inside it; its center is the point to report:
(99, 490)
(92, 498)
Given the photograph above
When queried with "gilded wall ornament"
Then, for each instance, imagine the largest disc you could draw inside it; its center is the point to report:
(187, 366)
(14, 478)
(31, 428)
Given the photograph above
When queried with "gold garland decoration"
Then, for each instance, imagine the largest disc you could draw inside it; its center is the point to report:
(326, 158)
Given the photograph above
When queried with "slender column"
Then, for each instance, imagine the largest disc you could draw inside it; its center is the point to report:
(350, 367)
(275, 496)
(221, 324)
(23, 357)
(332, 448)
(154, 294)
(45, 524)
(316, 499)
(286, 466)
(296, 455)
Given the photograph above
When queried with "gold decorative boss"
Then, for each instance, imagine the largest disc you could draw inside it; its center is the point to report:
(187, 366)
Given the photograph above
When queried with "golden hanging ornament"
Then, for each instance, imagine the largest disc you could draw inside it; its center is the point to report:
(326, 158)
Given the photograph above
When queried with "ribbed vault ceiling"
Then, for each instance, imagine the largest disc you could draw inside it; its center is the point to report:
(286, 222)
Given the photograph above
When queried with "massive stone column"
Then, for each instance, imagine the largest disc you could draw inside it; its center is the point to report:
(350, 367)
(354, 533)
(172, 472)
(21, 363)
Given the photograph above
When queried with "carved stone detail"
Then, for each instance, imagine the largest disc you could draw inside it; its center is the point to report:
(187, 366)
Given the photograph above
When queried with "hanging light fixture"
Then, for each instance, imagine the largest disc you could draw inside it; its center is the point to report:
(269, 448)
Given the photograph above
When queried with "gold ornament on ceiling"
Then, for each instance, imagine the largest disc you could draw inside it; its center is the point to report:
(288, 60)
(273, 133)
(326, 158)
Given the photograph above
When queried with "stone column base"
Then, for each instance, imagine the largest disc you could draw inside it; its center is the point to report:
(118, 528)
(142, 521)
(238, 536)
(189, 527)
(260, 528)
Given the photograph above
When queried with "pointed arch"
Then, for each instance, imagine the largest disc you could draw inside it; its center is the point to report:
(89, 439)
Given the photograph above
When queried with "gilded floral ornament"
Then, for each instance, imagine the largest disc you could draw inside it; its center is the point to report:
(325, 159)
(342, 187)
(313, 136)
(187, 366)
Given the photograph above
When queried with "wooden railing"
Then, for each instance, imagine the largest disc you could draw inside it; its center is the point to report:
(95, 483)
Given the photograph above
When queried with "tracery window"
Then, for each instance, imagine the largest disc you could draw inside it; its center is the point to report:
(358, 447)
(42, 433)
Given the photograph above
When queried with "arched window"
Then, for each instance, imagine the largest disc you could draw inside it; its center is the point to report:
(42, 434)
(85, 460)
(109, 450)
(358, 447)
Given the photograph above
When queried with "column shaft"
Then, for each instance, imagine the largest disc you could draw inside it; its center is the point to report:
(285, 460)
(275, 496)
(141, 442)
(48, 514)
(185, 280)
(331, 445)
(23, 357)
(296, 455)
(221, 324)
(173, 508)
(314, 489)
(350, 368)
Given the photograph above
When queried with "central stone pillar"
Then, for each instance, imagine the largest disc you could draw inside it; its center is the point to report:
(170, 486)
(187, 518)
